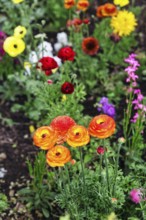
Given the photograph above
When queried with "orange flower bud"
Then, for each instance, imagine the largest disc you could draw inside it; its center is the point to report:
(83, 5)
(45, 137)
(78, 136)
(102, 126)
(73, 162)
(69, 3)
(58, 156)
(61, 125)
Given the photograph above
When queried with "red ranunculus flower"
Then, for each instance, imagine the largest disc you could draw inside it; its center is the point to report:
(67, 88)
(61, 124)
(66, 53)
(47, 64)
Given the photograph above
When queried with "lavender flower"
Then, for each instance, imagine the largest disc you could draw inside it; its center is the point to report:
(106, 107)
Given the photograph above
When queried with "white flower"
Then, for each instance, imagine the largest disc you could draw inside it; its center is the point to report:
(45, 49)
(45, 46)
(58, 60)
(62, 38)
(57, 46)
(33, 58)
(3, 171)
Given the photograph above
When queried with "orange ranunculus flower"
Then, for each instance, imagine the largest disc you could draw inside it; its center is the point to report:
(83, 5)
(58, 156)
(102, 126)
(45, 137)
(61, 125)
(69, 3)
(106, 10)
(78, 136)
(90, 45)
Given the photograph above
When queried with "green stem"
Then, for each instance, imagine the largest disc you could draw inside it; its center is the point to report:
(107, 173)
(116, 169)
(83, 178)
(100, 168)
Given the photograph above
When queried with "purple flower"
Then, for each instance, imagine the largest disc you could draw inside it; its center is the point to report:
(106, 107)
(136, 195)
(2, 39)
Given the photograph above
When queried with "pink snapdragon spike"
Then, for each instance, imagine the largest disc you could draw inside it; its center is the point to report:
(132, 79)
(136, 195)
(131, 69)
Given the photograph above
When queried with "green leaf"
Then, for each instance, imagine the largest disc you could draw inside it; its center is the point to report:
(45, 212)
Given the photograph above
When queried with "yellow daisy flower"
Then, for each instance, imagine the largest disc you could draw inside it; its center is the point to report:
(17, 1)
(14, 46)
(124, 23)
(122, 3)
(20, 31)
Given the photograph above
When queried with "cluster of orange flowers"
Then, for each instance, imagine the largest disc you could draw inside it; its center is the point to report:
(106, 10)
(64, 129)
(81, 5)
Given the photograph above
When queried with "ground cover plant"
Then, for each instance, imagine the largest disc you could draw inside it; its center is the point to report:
(72, 110)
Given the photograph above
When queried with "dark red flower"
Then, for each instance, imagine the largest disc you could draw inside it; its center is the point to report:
(100, 150)
(67, 88)
(66, 53)
(47, 64)
(86, 21)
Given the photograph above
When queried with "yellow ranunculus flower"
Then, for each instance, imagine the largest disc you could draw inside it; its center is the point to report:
(14, 46)
(20, 31)
(122, 3)
(17, 1)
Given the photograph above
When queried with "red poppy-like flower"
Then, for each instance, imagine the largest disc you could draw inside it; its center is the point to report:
(67, 88)
(69, 3)
(100, 150)
(45, 137)
(83, 5)
(47, 64)
(66, 53)
(106, 10)
(90, 45)
(58, 156)
(61, 125)
(102, 126)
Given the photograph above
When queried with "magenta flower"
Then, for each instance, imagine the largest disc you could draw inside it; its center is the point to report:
(136, 195)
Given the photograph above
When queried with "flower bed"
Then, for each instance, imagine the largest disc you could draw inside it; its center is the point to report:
(73, 110)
